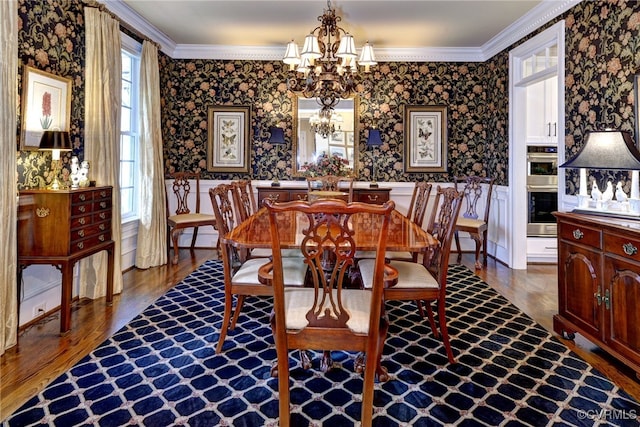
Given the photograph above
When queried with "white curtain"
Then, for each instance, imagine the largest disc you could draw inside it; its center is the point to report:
(152, 231)
(102, 137)
(9, 187)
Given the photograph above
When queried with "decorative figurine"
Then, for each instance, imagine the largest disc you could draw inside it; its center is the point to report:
(596, 194)
(84, 174)
(607, 196)
(620, 194)
(75, 175)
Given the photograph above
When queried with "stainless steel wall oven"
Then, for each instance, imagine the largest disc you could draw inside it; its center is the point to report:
(542, 190)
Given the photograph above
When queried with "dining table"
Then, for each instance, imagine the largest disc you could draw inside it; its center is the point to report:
(403, 235)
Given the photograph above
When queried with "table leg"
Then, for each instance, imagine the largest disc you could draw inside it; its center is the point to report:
(110, 255)
(65, 304)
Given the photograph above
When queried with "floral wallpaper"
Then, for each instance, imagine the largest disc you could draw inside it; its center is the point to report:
(603, 38)
(51, 38)
(602, 52)
(190, 87)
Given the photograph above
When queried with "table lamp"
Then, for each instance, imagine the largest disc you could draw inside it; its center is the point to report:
(277, 139)
(608, 149)
(374, 140)
(55, 141)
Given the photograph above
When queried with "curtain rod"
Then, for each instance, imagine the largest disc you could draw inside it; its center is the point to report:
(101, 7)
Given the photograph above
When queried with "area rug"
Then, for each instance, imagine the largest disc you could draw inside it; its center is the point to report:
(162, 370)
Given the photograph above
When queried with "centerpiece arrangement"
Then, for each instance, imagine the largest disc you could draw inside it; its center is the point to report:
(327, 165)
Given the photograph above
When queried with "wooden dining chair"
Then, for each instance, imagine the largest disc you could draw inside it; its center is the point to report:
(426, 282)
(186, 216)
(475, 189)
(330, 184)
(240, 271)
(243, 199)
(416, 213)
(326, 315)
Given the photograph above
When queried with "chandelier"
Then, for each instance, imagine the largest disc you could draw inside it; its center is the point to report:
(324, 122)
(327, 69)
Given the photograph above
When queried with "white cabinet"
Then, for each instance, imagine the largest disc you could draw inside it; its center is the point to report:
(542, 112)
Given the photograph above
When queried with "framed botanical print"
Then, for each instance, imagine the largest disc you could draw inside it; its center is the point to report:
(228, 147)
(425, 138)
(46, 105)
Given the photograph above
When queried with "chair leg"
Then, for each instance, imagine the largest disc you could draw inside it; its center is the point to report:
(236, 313)
(432, 320)
(174, 238)
(442, 320)
(194, 237)
(225, 321)
(457, 239)
(484, 247)
(476, 238)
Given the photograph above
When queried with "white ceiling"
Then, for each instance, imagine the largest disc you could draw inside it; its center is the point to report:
(398, 29)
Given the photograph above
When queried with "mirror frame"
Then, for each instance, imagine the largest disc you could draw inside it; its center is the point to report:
(356, 135)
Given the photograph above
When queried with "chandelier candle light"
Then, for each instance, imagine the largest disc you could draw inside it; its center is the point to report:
(327, 68)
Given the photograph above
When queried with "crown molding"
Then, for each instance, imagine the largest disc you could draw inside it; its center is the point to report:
(276, 53)
(133, 20)
(537, 17)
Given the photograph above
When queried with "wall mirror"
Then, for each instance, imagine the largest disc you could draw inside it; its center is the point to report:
(308, 143)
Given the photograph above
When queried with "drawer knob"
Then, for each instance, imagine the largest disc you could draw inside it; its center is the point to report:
(372, 198)
(82, 208)
(83, 221)
(101, 238)
(80, 245)
(83, 197)
(81, 233)
(103, 205)
(629, 249)
(102, 215)
(274, 197)
(578, 234)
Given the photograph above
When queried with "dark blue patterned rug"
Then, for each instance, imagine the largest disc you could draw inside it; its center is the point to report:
(161, 370)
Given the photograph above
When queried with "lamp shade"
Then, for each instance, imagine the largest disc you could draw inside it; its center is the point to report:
(374, 139)
(277, 136)
(608, 149)
(292, 55)
(55, 140)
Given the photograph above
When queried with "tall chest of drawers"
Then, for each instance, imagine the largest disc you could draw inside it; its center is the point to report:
(60, 227)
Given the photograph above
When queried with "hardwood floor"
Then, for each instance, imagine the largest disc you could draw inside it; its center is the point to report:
(42, 354)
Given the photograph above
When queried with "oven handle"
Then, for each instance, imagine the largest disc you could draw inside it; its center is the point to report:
(545, 188)
(542, 157)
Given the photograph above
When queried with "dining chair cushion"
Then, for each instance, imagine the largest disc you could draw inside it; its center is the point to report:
(267, 253)
(190, 217)
(298, 302)
(410, 275)
(401, 255)
(294, 271)
(469, 222)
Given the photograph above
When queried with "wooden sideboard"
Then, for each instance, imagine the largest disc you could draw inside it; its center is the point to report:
(60, 227)
(284, 194)
(599, 283)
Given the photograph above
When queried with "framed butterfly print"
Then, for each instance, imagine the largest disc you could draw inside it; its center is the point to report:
(425, 138)
(228, 146)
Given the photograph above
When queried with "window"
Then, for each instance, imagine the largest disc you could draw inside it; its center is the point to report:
(129, 135)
